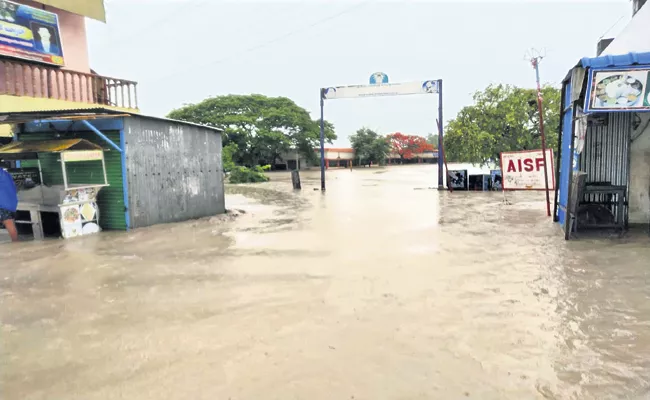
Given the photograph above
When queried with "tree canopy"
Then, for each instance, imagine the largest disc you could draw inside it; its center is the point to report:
(369, 146)
(502, 118)
(408, 145)
(258, 129)
(432, 139)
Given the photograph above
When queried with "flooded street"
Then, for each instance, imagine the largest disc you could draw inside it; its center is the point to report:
(378, 289)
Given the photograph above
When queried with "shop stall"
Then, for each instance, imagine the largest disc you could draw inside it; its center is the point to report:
(74, 202)
(604, 143)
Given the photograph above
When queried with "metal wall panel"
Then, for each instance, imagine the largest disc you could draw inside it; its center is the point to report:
(605, 157)
(606, 154)
(174, 171)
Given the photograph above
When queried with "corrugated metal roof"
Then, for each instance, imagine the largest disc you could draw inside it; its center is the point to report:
(84, 113)
(48, 146)
(622, 60)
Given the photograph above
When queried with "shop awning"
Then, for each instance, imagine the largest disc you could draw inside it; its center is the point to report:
(79, 114)
(14, 118)
(621, 60)
(30, 149)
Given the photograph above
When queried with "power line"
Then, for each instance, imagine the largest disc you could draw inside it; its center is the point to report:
(269, 42)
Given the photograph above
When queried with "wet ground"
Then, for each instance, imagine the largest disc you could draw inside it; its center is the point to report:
(379, 289)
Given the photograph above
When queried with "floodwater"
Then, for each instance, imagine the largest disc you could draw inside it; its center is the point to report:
(378, 289)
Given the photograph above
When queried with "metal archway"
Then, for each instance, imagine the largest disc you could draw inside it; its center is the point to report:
(380, 87)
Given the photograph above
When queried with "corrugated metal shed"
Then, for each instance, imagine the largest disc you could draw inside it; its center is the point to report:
(169, 170)
(174, 170)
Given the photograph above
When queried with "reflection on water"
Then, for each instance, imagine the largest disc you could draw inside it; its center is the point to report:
(373, 290)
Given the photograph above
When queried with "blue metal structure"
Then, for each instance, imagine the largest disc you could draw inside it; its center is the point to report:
(568, 157)
(623, 60)
(565, 152)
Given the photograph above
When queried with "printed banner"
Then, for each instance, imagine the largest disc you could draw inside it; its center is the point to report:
(378, 90)
(618, 90)
(30, 33)
(524, 170)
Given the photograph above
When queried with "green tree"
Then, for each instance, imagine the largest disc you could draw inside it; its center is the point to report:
(502, 118)
(432, 139)
(261, 127)
(369, 147)
(227, 156)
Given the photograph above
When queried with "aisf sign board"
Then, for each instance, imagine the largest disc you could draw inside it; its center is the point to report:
(524, 170)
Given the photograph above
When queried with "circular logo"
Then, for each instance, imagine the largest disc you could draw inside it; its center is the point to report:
(378, 78)
(430, 86)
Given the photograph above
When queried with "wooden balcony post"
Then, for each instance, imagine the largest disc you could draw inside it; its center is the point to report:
(129, 92)
(73, 83)
(4, 78)
(123, 100)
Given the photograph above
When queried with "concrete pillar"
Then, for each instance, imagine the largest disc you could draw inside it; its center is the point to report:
(327, 164)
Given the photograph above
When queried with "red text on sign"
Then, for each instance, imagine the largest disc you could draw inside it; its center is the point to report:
(526, 165)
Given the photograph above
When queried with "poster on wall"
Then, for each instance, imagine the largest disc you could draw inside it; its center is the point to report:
(30, 33)
(71, 224)
(524, 170)
(618, 90)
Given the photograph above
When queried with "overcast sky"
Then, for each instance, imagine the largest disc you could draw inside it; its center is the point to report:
(182, 51)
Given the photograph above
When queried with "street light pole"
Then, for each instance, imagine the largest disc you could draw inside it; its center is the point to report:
(540, 108)
(322, 140)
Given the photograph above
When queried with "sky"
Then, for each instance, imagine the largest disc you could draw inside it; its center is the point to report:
(183, 51)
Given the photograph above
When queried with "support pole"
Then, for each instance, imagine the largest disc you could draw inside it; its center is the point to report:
(322, 141)
(540, 108)
(101, 135)
(441, 151)
(444, 159)
(558, 160)
(568, 222)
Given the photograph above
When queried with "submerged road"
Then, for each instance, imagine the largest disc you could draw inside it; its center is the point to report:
(379, 289)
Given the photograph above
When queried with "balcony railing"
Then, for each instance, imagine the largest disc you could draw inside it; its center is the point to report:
(30, 80)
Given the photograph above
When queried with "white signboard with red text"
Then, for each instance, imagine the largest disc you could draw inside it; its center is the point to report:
(524, 170)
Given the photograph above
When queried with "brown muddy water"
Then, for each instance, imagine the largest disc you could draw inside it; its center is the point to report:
(378, 289)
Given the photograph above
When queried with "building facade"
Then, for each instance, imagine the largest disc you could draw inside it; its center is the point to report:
(344, 157)
(44, 62)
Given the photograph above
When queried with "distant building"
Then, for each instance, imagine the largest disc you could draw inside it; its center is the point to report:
(344, 157)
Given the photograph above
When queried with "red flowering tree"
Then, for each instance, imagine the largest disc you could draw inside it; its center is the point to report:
(408, 145)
